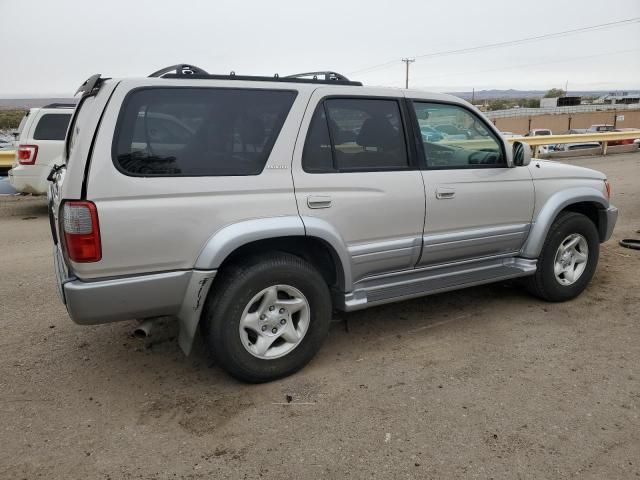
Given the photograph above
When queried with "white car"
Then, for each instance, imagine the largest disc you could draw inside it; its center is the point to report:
(509, 134)
(40, 147)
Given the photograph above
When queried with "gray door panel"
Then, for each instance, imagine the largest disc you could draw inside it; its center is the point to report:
(489, 213)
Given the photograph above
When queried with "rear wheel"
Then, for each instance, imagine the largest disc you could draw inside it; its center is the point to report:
(568, 259)
(267, 317)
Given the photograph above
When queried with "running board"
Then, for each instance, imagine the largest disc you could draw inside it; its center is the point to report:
(429, 280)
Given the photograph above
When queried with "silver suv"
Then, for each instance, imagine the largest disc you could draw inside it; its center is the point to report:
(249, 208)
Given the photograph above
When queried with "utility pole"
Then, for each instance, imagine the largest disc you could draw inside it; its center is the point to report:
(407, 61)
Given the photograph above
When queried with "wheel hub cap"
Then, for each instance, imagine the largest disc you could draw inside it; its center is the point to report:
(274, 322)
(571, 259)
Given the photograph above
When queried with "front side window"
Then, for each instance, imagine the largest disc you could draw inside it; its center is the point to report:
(355, 135)
(454, 137)
(52, 126)
(199, 131)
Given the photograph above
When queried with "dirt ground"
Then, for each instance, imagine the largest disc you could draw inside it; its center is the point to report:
(482, 383)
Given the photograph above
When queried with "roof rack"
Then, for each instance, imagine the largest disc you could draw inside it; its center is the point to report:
(328, 76)
(181, 69)
(196, 73)
(60, 105)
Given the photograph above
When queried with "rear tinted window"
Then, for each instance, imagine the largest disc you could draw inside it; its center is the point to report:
(52, 126)
(199, 131)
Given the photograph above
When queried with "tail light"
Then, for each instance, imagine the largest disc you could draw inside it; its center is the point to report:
(27, 154)
(607, 185)
(81, 231)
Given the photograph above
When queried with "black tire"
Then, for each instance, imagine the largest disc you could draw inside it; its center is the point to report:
(232, 291)
(544, 283)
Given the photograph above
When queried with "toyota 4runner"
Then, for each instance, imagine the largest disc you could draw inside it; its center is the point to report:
(251, 207)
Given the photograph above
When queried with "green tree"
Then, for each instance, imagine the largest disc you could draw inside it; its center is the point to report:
(554, 93)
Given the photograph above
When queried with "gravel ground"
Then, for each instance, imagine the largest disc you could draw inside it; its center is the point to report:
(482, 383)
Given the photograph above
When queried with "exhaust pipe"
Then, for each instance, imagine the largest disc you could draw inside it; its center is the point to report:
(144, 329)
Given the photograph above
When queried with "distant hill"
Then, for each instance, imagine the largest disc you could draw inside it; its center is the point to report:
(493, 94)
(11, 103)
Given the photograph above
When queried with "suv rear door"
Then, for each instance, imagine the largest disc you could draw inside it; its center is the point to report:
(355, 175)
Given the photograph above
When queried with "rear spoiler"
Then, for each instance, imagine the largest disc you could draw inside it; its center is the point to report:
(91, 83)
(89, 88)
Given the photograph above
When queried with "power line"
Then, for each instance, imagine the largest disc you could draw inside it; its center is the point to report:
(574, 31)
(514, 67)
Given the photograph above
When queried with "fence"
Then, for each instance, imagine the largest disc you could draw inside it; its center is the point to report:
(527, 112)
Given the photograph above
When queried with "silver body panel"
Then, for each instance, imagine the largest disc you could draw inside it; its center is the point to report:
(163, 238)
(435, 279)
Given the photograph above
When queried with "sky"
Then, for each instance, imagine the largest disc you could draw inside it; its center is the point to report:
(52, 46)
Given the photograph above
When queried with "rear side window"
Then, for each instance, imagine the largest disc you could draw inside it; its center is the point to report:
(355, 135)
(52, 126)
(199, 131)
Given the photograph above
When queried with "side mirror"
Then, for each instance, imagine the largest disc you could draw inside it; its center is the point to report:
(521, 154)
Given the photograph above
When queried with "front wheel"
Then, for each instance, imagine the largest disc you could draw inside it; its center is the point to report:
(267, 317)
(568, 259)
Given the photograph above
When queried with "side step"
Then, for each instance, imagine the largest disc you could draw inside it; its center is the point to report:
(429, 280)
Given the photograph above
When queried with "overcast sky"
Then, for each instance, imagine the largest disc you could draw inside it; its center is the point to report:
(51, 46)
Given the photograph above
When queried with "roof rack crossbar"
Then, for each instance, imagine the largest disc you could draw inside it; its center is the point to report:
(328, 76)
(179, 69)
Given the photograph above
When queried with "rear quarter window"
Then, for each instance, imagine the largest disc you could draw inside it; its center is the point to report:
(198, 131)
(52, 126)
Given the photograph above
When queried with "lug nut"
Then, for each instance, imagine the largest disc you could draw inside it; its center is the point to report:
(283, 321)
(264, 327)
(272, 308)
(281, 311)
(274, 330)
(263, 316)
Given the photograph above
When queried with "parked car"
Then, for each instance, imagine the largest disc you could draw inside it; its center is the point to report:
(430, 134)
(509, 134)
(567, 147)
(600, 128)
(6, 144)
(40, 146)
(537, 132)
(628, 141)
(452, 132)
(259, 220)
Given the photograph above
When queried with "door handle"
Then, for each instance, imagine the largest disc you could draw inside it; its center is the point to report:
(443, 193)
(318, 201)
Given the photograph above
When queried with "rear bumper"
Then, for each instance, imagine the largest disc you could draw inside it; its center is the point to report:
(30, 178)
(179, 294)
(90, 303)
(607, 222)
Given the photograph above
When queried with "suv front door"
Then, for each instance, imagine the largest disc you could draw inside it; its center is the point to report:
(355, 175)
(477, 206)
